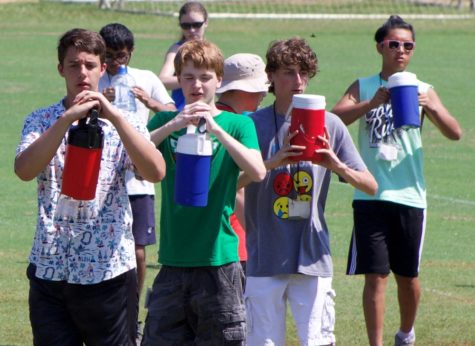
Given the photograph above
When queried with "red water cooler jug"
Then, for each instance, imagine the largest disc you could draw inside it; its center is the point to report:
(308, 118)
(83, 158)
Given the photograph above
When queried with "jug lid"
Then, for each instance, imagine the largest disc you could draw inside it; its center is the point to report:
(308, 101)
(122, 69)
(402, 79)
(195, 144)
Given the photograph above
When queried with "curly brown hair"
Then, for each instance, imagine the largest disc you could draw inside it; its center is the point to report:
(294, 51)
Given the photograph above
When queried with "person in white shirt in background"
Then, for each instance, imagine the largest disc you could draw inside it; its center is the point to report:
(151, 95)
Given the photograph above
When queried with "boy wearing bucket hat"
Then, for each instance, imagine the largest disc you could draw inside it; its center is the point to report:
(289, 257)
(244, 83)
(197, 295)
(389, 227)
(243, 87)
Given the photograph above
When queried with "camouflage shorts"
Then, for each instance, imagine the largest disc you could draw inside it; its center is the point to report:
(196, 306)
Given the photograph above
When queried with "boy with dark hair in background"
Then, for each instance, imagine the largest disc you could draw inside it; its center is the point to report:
(150, 95)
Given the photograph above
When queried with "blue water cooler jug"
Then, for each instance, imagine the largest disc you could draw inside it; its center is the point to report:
(193, 166)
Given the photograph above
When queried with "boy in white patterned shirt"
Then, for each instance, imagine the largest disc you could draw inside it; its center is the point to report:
(83, 285)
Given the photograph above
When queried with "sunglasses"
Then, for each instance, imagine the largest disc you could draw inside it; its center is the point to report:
(121, 58)
(394, 44)
(194, 25)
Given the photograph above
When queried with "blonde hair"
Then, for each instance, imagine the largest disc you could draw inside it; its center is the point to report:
(203, 54)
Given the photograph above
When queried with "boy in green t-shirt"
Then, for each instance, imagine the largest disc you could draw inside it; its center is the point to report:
(197, 295)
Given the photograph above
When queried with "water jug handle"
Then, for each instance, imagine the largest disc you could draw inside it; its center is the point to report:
(92, 131)
(93, 116)
(202, 126)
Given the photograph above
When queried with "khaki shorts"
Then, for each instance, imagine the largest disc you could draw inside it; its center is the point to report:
(310, 299)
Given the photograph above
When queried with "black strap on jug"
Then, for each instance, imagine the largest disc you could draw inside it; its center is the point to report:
(202, 126)
(93, 133)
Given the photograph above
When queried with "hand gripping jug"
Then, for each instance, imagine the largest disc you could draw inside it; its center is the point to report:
(193, 166)
(83, 158)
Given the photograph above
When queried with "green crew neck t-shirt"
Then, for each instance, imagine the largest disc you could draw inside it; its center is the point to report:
(202, 236)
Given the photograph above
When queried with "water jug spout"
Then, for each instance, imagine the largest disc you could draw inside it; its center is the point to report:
(190, 129)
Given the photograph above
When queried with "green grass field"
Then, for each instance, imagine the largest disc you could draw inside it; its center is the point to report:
(444, 58)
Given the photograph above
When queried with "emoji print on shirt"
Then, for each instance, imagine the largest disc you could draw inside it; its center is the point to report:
(281, 207)
(291, 188)
(283, 184)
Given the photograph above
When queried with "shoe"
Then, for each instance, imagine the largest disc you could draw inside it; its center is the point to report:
(138, 337)
(409, 341)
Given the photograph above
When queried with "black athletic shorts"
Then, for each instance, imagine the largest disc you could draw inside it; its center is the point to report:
(71, 314)
(386, 237)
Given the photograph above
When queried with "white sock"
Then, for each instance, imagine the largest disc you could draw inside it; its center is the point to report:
(405, 336)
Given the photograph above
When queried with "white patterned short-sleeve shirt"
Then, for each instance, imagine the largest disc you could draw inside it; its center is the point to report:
(96, 244)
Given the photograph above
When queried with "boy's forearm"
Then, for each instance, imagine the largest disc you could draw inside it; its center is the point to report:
(158, 135)
(243, 180)
(248, 160)
(157, 106)
(29, 163)
(442, 118)
(146, 158)
(362, 180)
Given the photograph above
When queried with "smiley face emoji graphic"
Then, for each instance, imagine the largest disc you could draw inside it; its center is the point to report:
(302, 182)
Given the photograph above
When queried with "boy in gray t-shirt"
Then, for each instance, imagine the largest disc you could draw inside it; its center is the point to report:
(287, 235)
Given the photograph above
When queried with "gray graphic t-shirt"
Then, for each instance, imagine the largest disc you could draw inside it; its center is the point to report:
(278, 241)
